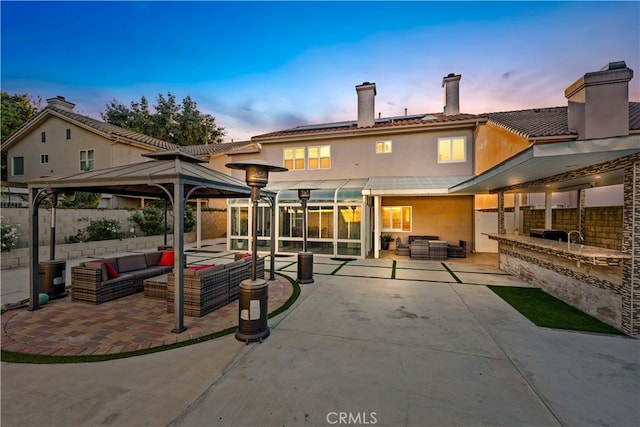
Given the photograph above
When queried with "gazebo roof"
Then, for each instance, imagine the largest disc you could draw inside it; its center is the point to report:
(148, 178)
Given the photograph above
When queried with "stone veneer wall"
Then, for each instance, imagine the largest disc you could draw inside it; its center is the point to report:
(596, 290)
(602, 225)
(631, 245)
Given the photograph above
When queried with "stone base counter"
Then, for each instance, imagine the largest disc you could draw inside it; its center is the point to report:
(586, 277)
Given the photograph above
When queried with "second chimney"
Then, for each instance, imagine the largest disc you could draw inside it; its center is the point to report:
(598, 102)
(61, 103)
(451, 85)
(366, 104)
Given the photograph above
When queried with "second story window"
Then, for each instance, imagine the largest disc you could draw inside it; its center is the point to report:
(383, 147)
(294, 158)
(320, 157)
(44, 159)
(17, 166)
(86, 160)
(43, 136)
(452, 150)
(68, 133)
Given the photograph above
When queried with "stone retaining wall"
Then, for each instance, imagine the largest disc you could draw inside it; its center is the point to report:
(69, 221)
(20, 257)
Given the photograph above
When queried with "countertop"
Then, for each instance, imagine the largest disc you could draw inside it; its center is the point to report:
(592, 255)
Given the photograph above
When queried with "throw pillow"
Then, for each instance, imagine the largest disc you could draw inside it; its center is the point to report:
(111, 272)
(166, 259)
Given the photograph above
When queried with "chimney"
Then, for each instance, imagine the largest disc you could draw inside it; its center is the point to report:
(366, 104)
(598, 102)
(60, 103)
(451, 85)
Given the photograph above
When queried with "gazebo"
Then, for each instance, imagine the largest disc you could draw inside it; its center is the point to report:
(174, 175)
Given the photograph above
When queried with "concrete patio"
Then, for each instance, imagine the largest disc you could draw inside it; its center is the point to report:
(427, 347)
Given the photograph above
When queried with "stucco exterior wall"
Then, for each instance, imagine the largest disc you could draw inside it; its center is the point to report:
(448, 217)
(64, 154)
(494, 145)
(413, 154)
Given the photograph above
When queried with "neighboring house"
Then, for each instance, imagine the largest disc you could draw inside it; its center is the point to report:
(369, 176)
(60, 142)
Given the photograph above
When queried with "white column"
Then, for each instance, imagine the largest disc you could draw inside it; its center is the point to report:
(376, 226)
(548, 212)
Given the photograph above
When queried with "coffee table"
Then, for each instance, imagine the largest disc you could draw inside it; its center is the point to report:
(156, 287)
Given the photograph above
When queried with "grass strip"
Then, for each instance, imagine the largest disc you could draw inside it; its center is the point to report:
(393, 270)
(339, 267)
(13, 357)
(451, 273)
(547, 311)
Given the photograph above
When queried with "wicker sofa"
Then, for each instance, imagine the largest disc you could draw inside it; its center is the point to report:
(211, 288)
(428, 247)
(95, 282)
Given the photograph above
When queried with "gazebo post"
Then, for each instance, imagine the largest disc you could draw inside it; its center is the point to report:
(34, 280)
(178, 260)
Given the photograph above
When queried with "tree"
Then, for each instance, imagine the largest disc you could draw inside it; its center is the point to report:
(15, 111)
(180, 124)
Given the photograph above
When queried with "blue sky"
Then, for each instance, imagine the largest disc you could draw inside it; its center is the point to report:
(264, 66)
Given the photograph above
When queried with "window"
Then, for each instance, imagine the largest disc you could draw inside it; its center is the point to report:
(86, 160)
(452, 150)
(320, 157)
(43, 137)
(68, 133)
(396, 218)
(294, 158)
(383, 147)
(17, 166)
(44, 159)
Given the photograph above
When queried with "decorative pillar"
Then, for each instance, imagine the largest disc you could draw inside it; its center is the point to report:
(501, 228)
(581, 212)
(631, 246)
(516, 213)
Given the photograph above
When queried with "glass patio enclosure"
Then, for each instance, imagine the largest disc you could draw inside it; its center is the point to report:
(335, 219)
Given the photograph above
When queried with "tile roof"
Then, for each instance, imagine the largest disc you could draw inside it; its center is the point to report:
(113, 129)
(547, 122)
(385, 122)
(208, 149)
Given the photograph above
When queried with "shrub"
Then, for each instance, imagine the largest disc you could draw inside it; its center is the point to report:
(150, 221)
(104, 229)
(9, 236)
(189, 219)
(76, 238)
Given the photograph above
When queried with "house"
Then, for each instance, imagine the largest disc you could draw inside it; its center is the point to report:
(368, 176)
(59, 142)
(581, 245)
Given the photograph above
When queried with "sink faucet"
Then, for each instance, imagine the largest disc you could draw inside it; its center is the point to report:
(569, 238)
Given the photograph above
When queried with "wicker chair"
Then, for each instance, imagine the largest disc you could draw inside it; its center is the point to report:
(402, 248)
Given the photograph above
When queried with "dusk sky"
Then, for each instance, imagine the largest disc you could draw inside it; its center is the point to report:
(264, 66)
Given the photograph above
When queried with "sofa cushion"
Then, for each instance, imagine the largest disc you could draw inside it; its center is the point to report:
(166, 259)
(200, 267)
(131, 262)
(117, 280)
(212, 269)
(153, 258)
(148, 272)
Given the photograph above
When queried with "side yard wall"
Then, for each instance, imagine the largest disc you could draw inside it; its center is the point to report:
(69, 221)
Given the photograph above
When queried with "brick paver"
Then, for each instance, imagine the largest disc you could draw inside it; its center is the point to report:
(64, 327)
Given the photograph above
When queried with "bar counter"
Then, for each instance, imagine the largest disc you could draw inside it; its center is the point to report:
(591, 255)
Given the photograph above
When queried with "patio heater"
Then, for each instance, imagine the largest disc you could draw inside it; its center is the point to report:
(52, 273)
(252, 310)
(305, 259)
